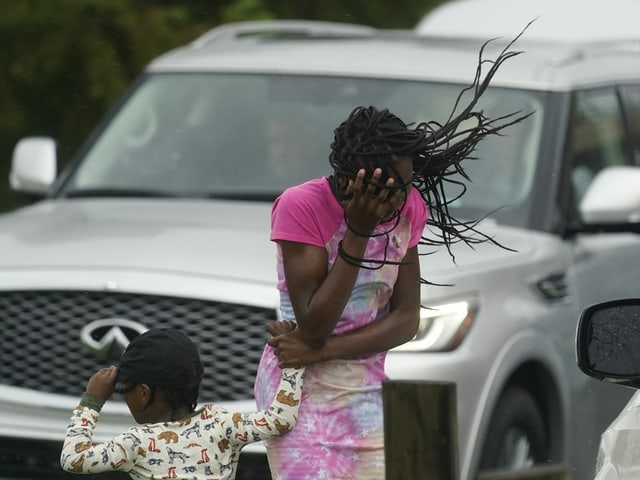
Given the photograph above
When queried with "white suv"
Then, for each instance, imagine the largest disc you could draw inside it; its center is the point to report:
(163, 219)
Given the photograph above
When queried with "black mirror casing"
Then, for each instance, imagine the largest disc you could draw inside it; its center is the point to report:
(608, 342)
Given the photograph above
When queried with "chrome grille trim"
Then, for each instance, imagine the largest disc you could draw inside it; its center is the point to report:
(40, 345)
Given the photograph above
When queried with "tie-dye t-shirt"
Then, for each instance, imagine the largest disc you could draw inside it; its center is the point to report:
(339, 434)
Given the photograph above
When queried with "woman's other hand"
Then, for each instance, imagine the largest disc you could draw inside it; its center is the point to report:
(292, 351)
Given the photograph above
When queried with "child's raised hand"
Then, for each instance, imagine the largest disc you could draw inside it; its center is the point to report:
(103, 382)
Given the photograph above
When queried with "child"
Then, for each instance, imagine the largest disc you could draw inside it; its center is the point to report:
(159, 377)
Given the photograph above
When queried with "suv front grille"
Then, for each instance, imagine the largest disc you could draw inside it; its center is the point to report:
(41, 349)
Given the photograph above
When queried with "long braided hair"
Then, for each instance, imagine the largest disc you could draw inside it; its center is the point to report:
(372, 137)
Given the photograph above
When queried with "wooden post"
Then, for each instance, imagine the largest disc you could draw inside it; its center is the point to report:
(420, 430)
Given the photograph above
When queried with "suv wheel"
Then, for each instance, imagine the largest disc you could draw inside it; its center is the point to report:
(516, 438)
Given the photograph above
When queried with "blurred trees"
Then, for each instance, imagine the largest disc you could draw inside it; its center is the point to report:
(63, 63)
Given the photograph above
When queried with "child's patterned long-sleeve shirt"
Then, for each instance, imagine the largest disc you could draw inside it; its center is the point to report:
(204, 446)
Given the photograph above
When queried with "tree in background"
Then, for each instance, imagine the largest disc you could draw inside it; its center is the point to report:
(65, 62)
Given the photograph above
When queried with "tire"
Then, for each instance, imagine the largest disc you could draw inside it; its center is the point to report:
(516, 438)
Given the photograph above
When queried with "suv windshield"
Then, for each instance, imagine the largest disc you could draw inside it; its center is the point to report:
(249, 136)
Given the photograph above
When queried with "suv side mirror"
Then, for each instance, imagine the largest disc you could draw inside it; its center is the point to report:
(33, 166)
(608, 342)
(613, 197)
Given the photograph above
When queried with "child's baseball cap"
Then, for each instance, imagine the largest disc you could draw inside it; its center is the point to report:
(161, 357)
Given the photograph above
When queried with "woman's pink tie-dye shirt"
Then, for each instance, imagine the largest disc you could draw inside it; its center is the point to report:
(339, 434)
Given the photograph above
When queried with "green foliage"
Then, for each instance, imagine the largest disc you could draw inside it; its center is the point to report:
(65, 62)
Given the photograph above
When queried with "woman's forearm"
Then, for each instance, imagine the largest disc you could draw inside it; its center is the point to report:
(318, 312)
(381, 335)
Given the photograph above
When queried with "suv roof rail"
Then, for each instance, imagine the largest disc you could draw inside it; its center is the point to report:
(566, 51)
(280, 29)
(580, 50)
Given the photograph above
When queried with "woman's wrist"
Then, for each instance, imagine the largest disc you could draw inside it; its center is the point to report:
(347, 257)
(326, 352)
(357, 232)
(352, 247)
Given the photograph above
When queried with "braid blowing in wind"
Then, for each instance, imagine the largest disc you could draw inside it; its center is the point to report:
(372, 137)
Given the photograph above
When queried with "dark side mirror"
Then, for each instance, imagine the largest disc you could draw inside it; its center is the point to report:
(608, 342)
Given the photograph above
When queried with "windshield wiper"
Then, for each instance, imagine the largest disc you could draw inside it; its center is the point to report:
(118, 192)
(141, 193)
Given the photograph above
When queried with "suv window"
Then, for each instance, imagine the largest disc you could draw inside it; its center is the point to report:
(249, 136)
(598, 137)
(632, 98)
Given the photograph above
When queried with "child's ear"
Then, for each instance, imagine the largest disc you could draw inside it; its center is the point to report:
(146, 393)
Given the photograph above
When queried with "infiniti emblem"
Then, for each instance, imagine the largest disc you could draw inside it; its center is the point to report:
(108, 337)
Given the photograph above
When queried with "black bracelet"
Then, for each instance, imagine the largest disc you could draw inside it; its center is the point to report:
(371, 235)
(350, 259)
(359, 262)
(359, 234)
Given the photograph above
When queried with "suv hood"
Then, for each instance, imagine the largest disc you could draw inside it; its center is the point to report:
(203, 238)
(228, 240)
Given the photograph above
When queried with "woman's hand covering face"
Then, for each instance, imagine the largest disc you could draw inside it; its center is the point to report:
(371, 203)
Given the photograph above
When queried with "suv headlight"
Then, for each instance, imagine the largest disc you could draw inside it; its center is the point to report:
(442, 327)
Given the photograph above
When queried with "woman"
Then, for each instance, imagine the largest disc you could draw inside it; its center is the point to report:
(349, 277)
